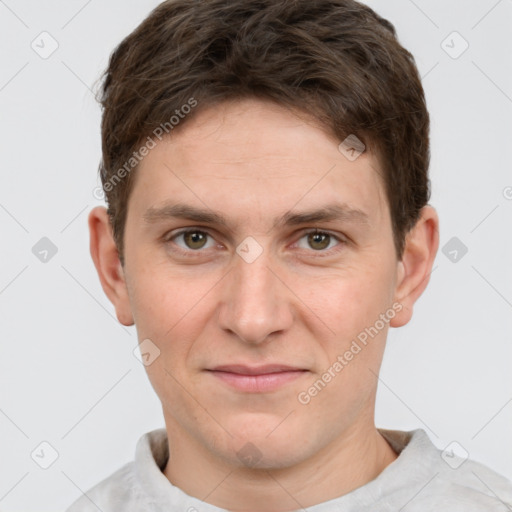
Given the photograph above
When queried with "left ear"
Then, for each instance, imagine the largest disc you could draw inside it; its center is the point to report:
(414, 271)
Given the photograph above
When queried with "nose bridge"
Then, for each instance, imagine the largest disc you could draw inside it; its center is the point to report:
(255, 278)
(254, 303)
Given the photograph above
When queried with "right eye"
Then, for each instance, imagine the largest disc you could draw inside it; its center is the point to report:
(191, 240)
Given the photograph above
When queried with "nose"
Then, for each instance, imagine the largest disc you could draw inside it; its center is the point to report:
(255, 302)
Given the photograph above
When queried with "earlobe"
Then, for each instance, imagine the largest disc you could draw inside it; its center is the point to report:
(415, 267)
(106, 260)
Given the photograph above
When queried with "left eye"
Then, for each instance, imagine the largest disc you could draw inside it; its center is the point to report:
(318, 240)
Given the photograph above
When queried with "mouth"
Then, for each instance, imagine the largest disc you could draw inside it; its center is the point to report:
(257, 379)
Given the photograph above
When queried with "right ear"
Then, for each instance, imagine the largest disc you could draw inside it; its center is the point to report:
(108, 265)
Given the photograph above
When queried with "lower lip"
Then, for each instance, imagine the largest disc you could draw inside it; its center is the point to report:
(258, 383)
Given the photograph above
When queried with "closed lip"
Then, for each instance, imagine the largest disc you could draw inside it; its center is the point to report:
(241, 369)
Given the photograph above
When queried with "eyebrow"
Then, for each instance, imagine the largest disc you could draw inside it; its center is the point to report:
(327, 213)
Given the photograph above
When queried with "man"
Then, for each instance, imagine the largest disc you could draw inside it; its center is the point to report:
(265, 165)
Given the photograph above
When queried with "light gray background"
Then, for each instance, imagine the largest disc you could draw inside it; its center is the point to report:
(68, 374)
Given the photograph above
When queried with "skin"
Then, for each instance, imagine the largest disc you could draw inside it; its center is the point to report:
(298, 303)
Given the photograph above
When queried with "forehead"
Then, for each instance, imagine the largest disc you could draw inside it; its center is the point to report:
(253, 159)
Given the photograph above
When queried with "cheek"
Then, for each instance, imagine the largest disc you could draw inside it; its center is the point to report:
(348, 300)
(171, 311)
(160, 300)
(351, 306)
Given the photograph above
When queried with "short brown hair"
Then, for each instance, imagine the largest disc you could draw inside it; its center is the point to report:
(336, 60)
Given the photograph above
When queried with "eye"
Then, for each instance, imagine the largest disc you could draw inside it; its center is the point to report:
(192, 239)
(188, 241)
(320, 241)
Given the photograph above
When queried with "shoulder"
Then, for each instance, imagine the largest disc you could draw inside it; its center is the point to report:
(442, 480)
(119, 489)
(127, 488)
(474, 486)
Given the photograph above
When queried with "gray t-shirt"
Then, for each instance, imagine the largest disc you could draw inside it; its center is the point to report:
(419, 480)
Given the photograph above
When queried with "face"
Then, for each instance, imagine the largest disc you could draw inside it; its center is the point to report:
(258, 257)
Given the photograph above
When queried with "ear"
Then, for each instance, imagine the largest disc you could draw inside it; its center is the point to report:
(106, 260)
(414, 269)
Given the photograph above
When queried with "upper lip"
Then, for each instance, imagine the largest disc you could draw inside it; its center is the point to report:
(242, 369)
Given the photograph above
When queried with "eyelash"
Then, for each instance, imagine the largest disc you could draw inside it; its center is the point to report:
(199, 252)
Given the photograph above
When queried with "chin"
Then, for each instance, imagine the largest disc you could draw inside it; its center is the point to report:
(265, 444)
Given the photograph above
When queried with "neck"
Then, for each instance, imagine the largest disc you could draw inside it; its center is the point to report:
(342, 466)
